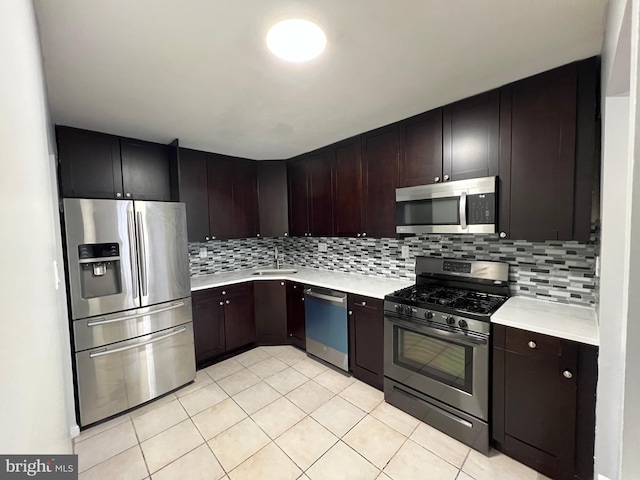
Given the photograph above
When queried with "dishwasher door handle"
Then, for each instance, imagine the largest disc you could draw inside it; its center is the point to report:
(329, 298)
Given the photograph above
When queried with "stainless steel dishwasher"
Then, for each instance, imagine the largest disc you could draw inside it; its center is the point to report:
(326, 325)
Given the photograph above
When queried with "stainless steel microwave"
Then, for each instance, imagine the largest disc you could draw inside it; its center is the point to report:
(463, 206)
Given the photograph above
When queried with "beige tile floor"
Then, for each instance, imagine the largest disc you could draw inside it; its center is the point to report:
(272, 413)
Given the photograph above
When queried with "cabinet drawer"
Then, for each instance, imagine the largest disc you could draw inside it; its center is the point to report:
(235, 290)
(531, 344)
(359, 301)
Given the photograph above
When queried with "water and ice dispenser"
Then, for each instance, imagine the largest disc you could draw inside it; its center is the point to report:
(100, 270)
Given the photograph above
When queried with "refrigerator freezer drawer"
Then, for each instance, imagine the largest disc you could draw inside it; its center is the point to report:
(116, 327)
(122, 375)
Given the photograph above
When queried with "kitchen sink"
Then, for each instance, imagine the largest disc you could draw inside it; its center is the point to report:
(274, 271)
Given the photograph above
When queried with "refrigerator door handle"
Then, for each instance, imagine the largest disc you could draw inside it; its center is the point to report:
(102, 352)
(103, 321)
(132, 255)
(142, 252)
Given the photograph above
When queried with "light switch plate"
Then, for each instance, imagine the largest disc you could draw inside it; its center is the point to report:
(203, 252)
(322, 247)
(404, 251)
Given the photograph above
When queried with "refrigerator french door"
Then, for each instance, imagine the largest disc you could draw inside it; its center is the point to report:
(128, 278)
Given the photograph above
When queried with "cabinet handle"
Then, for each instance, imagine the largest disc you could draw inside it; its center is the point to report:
(503, 235)
(128, 195)
(286, 234)
(358, 235)
(364, 234)
(436, 179)
(446, 177)
(567, 374)
(213, 238)
(303, 299)
(206, 238)
(257, 234)
(224, 293)
(532, 344)
(295, 286)
(350, 312)
(282, 283)
(221, 303)
(118, 195)
(227, 302)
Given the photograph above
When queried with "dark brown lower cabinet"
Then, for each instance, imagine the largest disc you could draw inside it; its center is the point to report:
(239, 315)
(208, 325)
(295, 315)
(544, 401)
(271, 312)
(366, 339)
(223, 320)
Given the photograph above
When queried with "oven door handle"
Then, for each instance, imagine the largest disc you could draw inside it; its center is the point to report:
(441, 334)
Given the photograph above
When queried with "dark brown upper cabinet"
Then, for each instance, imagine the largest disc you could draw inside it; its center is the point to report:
(380, 179)
(97, 165)
(272, 198)
(421, 149)
(347, 188)
(470, 134)
(310, 194)
(220, 193)
(548, 128)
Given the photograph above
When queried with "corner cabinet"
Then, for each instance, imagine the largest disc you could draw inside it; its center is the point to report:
(272, 198)
(548, 154)
(271, 312)
(366, 339)
(296, 330)
(544, 401)
(98, 165)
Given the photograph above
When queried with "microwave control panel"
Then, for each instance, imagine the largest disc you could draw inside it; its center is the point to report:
(481, 209)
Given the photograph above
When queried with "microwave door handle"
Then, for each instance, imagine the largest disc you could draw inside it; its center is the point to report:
(463, 210)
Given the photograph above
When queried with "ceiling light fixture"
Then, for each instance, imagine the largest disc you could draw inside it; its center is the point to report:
(296, 40)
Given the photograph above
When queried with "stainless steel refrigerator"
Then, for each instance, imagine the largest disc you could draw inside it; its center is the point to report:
(130, 300)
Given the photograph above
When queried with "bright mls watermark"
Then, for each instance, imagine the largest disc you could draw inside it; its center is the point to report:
(50, 467)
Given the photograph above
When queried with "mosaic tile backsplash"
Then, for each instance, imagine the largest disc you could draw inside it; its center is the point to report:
(557, 271)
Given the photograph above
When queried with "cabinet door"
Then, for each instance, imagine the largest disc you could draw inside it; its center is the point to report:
(272, 198)
(347, 175)
(271, 311)
(194, 193)
(220, 187)
(366, 339)
(535, 402)
(208, 326)
(320, 193)
(471, 134)
(537, 159)
(239, 316)
(89, 164)
(146, 171)
(295, 314)
(421, 149)
(298, 203)
(245, 200)
(380, 163)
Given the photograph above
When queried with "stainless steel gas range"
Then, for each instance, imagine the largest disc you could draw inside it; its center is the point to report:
(437, 344)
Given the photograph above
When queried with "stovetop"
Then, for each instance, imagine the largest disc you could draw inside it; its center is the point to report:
(448, 299)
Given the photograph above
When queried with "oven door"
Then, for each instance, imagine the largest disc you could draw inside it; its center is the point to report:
(449, 366)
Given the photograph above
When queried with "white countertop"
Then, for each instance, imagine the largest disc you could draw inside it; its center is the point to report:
(375, 287)
(570, 322)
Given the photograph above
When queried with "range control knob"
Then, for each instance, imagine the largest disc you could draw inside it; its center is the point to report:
(450, 320)
(463, 323)
(428, 315)
(399, 308)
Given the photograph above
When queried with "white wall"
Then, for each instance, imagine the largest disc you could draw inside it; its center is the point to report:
(618, 396)
(36, 399)
(631, 421)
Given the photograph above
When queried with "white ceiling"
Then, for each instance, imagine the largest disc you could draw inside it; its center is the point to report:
(199, 70)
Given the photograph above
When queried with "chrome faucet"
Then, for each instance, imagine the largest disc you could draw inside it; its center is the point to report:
(278, 259)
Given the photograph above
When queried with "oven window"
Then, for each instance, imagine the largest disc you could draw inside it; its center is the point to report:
(437, 211)
(444, 361)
